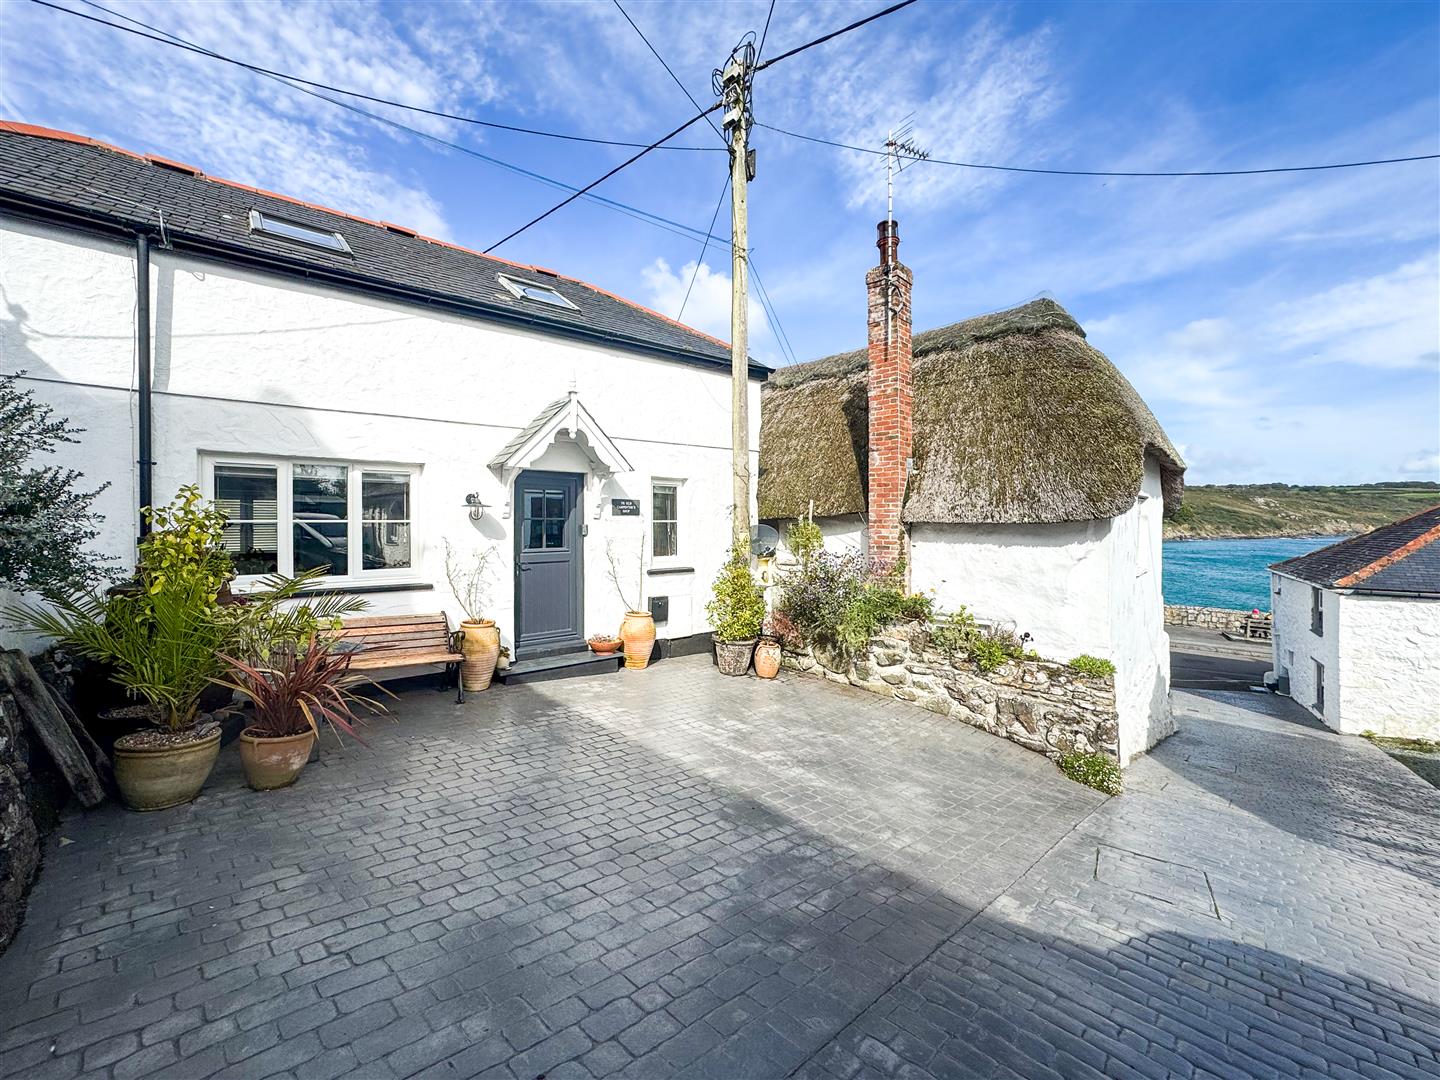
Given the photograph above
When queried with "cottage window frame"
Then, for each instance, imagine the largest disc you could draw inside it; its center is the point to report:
(357, 575)
(665, 561)
(1317, 611)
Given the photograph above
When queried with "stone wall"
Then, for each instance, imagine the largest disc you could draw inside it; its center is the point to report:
(1043, 706)
(1210, 618)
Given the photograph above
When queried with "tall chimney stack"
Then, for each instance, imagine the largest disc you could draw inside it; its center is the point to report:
(888, 316)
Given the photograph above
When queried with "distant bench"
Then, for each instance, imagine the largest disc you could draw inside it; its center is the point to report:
(381, 642)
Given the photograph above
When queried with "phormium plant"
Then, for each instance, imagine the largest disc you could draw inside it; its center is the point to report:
(301, 689)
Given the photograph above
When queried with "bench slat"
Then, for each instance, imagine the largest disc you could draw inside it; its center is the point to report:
(363, 621)
(403, 658)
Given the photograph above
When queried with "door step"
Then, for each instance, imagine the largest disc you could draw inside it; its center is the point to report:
(561, 666)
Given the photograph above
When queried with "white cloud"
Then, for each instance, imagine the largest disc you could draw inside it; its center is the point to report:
(1424, 464)
(708, 308)
(1387, 320)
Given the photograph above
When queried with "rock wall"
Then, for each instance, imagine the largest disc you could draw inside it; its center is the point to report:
(1210, 618)
(19, 837)
(1043, 706)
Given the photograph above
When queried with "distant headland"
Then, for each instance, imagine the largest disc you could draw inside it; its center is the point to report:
(1246, 511)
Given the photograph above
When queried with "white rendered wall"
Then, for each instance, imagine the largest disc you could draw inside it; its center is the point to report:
(1389, 670)
(1140, 646)
(1296, 648)
(246, 364)
(843, 536)
(1052, 581)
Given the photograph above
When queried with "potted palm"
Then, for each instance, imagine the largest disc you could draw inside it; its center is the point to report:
(161, 636)
(737, 612)
(297, 691)
(469, 577)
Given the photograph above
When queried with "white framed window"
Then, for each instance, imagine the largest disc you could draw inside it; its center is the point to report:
(283, 229)
(1317, 611)
(665, 520)
(353, 520)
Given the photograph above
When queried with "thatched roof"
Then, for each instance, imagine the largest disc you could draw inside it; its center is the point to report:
(1017, 419)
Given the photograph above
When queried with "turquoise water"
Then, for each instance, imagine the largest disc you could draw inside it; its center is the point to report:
(1228, 573)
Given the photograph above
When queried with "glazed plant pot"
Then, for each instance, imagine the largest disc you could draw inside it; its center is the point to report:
(605, 648)
(155, 771)
(481, 645)
(638, 634)
(272, 763)
(767, 659)
(733, 657)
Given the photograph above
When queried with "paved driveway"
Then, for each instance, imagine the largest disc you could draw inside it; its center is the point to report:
(675, 874)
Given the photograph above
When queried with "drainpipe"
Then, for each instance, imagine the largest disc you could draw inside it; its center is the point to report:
(142, 350)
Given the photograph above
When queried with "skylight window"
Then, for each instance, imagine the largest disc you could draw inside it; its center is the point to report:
(530, 290)
(269, 225)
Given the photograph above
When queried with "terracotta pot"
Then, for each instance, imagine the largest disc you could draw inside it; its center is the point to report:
(767, 659)
(604, 648)
(733, 657)
(156, 777)
(481, 646)
(274, 763)
(638, 634)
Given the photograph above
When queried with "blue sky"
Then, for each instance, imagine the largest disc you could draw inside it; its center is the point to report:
(1282, 327)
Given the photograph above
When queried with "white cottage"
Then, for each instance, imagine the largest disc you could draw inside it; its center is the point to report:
(1007, 461)
(1357, 629)
(357, 396)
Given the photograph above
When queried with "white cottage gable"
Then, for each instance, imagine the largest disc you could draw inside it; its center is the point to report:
(567, 419)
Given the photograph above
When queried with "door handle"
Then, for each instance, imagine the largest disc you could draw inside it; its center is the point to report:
(524, 569)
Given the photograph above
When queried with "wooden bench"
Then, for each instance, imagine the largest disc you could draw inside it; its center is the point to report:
(381, 642)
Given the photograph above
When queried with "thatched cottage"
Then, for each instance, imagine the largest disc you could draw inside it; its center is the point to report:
(1007, 461)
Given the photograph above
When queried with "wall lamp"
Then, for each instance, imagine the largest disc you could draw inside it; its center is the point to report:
(477, 508)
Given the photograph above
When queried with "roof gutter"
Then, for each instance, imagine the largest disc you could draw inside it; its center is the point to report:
(55, 213)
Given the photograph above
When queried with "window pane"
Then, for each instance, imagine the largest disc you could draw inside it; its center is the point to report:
(385, 496)
(554, 533)
(663, 508)
(555, 504)
(321, 492)
(386, 545)
(534, 534)
(664, 534)
(247, 496)
(321, 543)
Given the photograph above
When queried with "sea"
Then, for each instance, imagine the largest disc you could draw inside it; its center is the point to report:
(1228, 573)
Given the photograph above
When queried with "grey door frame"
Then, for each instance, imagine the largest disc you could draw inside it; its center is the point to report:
(574, 529)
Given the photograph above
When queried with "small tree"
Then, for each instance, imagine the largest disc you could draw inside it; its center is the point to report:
(46, 518)
(738, 608)
(469, 576)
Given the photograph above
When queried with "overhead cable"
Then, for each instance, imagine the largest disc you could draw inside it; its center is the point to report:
(390, 103)
(1114, 173)
(835, 33)
(670, 71)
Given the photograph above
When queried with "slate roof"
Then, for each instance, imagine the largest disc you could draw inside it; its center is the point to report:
(1400, 558)
(529, 431)
(58, 175)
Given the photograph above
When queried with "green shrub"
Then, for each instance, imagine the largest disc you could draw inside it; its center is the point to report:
(737, 611)
(988, 653)
(842, 601)
(805, 540)
(1092, 666)
(1099, 771)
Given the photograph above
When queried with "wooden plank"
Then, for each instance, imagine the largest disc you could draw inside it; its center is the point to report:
(392, 620)
(49, 725)
(431, 634)
(372, 661)
(99, 761)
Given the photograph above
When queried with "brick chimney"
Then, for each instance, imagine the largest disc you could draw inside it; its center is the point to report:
(888, 317)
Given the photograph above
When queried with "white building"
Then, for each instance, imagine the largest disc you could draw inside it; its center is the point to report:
(352, 394)
(1357, 629)
(1007, 461)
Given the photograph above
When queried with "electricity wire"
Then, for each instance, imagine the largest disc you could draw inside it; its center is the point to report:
(644, 216)
(760, 52)
(835, 33)
(458, 117)
(704, 244)
(668, 69)
(1099, 172)
(772, 314)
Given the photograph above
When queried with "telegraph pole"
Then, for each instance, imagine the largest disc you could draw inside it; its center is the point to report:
(735, 96)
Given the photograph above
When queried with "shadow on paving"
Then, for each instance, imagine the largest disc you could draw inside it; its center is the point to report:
(668, 875)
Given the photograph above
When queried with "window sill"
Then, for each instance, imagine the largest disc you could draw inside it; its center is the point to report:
(661, 571)
(343, 589)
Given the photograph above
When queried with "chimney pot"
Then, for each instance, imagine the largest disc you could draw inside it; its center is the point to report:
(888, 241)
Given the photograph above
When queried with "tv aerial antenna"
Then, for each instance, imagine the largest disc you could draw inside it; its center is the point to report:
(900, 153)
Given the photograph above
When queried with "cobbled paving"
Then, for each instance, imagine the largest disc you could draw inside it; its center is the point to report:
(671, 873)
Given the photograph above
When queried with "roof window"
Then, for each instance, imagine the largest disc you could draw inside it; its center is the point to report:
(530, 290)
(281, 229)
